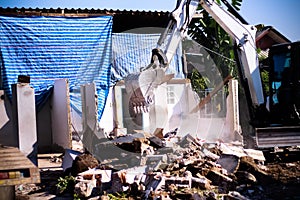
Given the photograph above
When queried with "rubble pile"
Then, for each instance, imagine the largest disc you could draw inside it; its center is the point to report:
(174, 168)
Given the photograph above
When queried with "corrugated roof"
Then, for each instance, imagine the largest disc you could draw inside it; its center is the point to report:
(78, 12)
(123, 20)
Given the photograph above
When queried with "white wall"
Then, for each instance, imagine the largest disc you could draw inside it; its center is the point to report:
(60, 114)
(210, 128)
(107, 120)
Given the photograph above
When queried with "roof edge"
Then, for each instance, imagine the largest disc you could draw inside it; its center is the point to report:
(73, 11)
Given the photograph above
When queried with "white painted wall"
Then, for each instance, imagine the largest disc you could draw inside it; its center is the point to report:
(107, 119)
(179, 115)
(60, 114)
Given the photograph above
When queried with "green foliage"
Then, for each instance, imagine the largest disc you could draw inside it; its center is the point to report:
(199, 82)
(207, 32)
(265, 81)
(236, 4)
(261, 56)
(65, 184)
(259, 27)
(76, 196)
(118, 196)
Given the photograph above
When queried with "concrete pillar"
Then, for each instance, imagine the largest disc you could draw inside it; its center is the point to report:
(158, 113)
(60, 115)
(24, 117)
(91, 129)
(232, 130)
(89, 106)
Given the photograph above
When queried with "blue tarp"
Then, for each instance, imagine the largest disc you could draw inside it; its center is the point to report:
(132, 51)
(83, 50)
(49, 48)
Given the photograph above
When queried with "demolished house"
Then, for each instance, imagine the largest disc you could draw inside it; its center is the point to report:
(50, 55)
(46, 53)
(73, 73)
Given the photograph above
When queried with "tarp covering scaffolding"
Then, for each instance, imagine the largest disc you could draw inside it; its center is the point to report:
(49, 48)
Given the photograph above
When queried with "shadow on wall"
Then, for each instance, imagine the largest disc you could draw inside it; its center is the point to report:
(7, 136)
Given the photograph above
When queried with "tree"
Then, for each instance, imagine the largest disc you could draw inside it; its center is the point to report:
(207, 32)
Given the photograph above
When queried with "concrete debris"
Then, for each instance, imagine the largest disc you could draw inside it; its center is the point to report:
(84, 187)
(178, 182)
(82, 163)
(201, 182)
(190, 169)
(241, 152)
(155, 161)
(171, 134)
(229, 162)
(209, 154)
(69, 157)
(234, 195)
(217, 177)
(255, 154)
(156, 142)
(159, 133)
(105, 175)
(91, 180)
(244, 177)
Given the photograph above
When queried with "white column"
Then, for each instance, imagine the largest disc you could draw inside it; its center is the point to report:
(25, 119)
(60, 114)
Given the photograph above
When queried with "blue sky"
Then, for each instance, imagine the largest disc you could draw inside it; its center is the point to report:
(282, 15)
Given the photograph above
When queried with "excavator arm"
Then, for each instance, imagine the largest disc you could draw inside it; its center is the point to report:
(244, 37)
(142, 86)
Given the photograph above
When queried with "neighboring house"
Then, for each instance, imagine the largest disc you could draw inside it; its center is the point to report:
(266, 37)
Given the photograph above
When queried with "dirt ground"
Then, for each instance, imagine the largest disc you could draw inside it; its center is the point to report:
(50, 171)
(281, 182)
(285, 180)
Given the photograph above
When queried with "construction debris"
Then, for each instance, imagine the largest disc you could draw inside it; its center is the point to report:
(169, 168)
(185, 168)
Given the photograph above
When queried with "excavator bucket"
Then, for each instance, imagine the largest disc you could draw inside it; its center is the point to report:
(141, 87)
